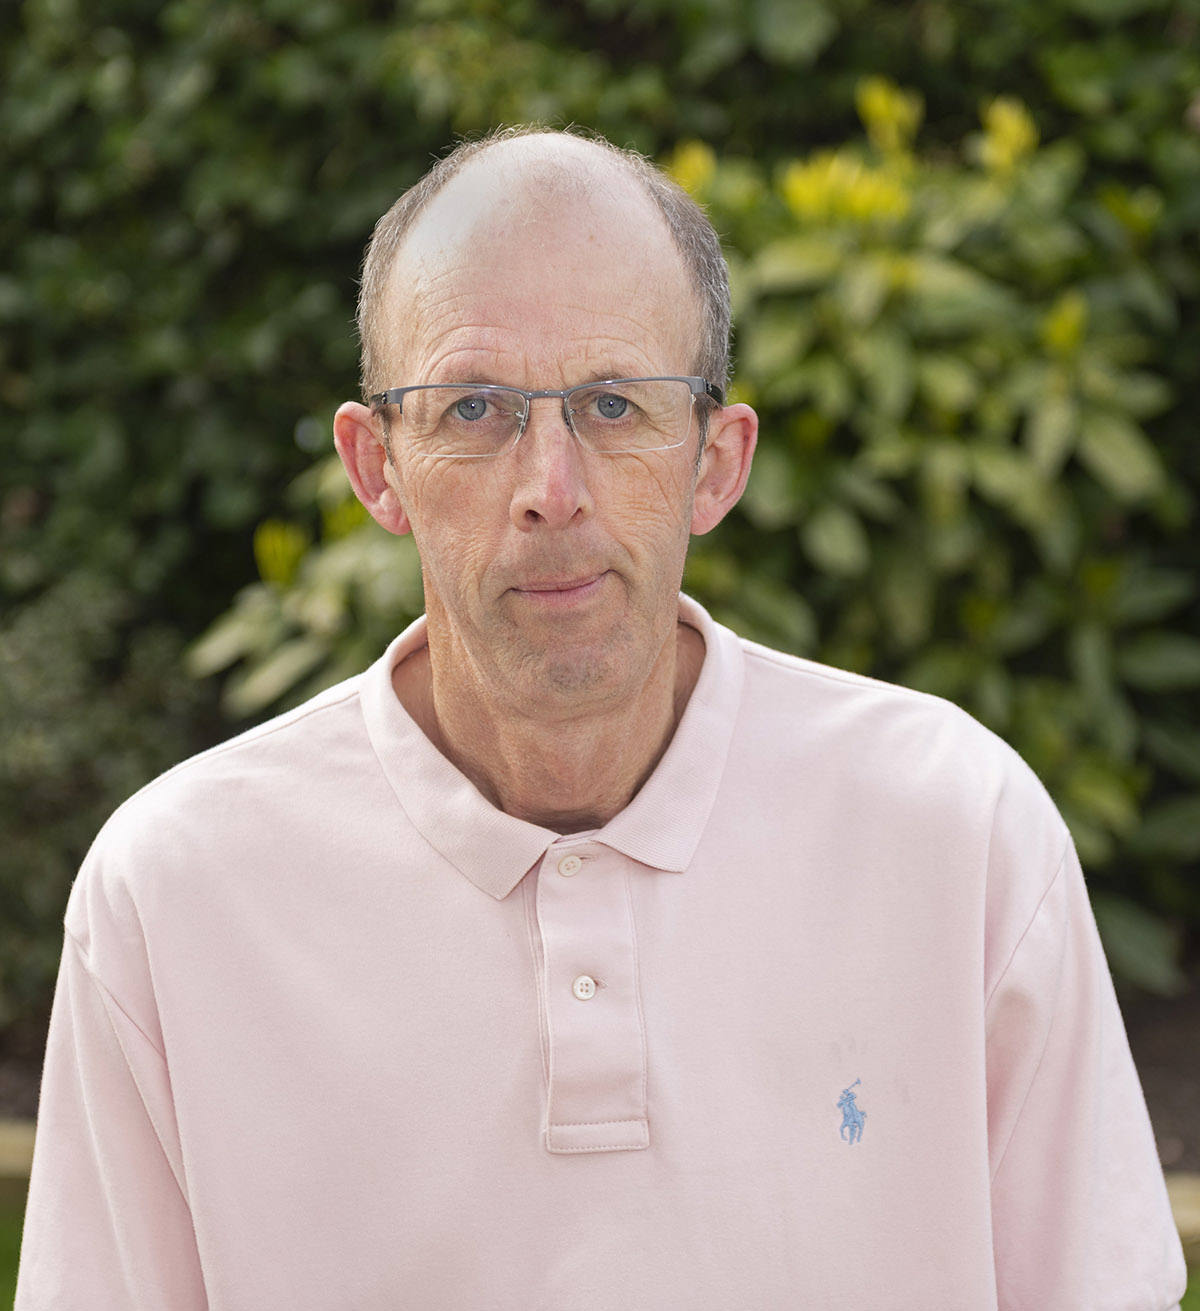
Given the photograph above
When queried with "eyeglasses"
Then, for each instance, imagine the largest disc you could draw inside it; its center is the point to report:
(620, 416)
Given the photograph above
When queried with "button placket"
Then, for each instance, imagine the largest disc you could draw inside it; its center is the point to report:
(595, 1037)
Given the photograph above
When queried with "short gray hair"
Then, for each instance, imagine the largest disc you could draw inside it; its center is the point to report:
(694, 236)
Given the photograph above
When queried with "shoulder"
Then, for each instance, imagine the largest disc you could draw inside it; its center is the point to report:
(310, 737)
(894, 749)
(247, 795)
(890, 768)
(865, 720)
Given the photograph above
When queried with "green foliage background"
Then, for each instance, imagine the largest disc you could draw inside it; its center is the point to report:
(963, 240)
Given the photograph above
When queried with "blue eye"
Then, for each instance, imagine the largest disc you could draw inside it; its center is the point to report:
(471, 408)
(611, 406)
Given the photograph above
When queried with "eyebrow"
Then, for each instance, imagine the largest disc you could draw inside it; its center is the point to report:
(584, 382)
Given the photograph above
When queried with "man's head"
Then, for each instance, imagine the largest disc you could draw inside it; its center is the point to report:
(697, 242)
(542, 261)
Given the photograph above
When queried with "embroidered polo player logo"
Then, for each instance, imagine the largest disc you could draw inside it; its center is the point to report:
(853, 1119)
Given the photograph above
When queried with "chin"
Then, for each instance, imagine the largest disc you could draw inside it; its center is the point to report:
(576, 679)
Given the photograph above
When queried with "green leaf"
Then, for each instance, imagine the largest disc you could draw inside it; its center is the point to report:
(827, 380)
(775, 613)
(947, 382)
(790, 33)
(1113, 11)
(716, 47)
(1176, 746)
(772, 342)
(943, 670)
(267, 680)
(1171, 829)
(1008, 478)
(1143, 395)
(770, 496)
(947, 296)
(1050, 433)
(1001, 473)
(795, 264)
(1093, 842)
(836, 542)
(1089, 650)
(1147, 595)
(1023, 624)
(1160, 662)
(861, 291)
(992, 696)
(906, 594)
(252, 623)
(1117, 453)
(1098, 790)
(867, 493)
(945, 475)
(888, 369)
(1140, 946)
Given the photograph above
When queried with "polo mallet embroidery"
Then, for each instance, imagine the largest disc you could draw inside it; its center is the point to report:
(852, 1118)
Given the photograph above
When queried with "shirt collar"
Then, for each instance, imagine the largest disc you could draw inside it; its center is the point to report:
(662, 825)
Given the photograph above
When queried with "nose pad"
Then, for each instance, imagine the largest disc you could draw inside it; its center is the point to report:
(527, 418)
(551, 481)
(526, 415)
(569, 423)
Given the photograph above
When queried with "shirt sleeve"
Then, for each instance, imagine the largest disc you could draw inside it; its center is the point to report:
(1081, 1218)
(107, 1224)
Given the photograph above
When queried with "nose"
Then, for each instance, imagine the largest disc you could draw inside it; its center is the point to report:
(550, 481)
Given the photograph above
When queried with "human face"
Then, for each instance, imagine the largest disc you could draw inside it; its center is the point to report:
(551, 574)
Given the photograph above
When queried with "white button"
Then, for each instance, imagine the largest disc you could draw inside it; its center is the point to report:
(570, 865)
(584, 987)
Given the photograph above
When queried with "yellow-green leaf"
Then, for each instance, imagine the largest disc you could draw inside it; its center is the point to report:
(1119, 455)
(1051, 432)
(836, 542)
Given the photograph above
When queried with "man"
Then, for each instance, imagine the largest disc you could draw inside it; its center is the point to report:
(579, 954)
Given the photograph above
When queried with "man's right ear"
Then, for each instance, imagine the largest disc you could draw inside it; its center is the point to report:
(358, 436)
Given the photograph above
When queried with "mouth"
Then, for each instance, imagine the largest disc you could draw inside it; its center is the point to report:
(561, 591)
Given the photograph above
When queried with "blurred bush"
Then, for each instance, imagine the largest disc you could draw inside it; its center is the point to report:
(89, 710)
(974, 343)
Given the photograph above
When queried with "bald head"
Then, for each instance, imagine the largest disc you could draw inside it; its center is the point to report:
(520, 178)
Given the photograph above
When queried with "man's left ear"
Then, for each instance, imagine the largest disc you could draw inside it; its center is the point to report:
(724, 465)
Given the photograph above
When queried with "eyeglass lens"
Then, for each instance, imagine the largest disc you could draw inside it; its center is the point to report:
(631, 415)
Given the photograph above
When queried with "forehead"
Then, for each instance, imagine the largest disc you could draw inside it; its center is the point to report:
(540, 259)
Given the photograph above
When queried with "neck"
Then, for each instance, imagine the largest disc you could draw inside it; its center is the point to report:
(566, 773)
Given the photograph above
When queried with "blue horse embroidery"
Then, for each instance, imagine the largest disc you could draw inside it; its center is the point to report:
(852, 1118)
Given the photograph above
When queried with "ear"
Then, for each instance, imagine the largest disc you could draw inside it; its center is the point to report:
(724, 465)
(358, 436)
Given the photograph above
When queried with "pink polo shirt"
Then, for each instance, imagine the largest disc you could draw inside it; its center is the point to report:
(819, 1020)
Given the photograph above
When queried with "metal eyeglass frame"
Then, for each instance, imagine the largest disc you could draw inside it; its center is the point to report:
(395, 396)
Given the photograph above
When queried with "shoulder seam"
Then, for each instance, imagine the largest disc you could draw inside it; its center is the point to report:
(1058, 872)
(1058, 869)
(107, 994)
(847, 677)
(259, 732)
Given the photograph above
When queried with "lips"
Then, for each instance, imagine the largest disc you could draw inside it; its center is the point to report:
(578, 587)
(560, 584)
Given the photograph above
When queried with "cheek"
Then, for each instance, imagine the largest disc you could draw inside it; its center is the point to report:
(449, 514)
(453, 546)
(446, 498)
(653, 502)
